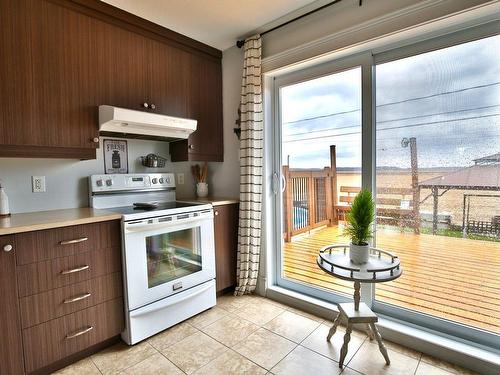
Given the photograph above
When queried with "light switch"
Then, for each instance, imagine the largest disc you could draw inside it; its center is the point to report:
(180, 178)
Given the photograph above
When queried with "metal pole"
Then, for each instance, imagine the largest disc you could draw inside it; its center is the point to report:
(414, 184)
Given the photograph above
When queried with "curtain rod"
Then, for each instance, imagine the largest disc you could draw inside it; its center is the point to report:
(240, 43)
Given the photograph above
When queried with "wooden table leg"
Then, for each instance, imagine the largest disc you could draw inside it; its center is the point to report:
(369, 332)
(334, 327)
(381, 345)
(357, 295)
(347, 338)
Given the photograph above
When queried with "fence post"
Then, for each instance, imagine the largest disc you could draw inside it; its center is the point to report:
(328, 196)
(311, 200)
(333, 191)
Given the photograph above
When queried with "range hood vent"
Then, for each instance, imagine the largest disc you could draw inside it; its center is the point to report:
(138, 124)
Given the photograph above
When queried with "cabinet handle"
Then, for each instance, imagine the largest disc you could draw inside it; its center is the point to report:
(216, 213)
(79, 333)
(8, 248)
(78, 298)
(95, 140)
(77, 269)
(76, 240)
(152, 106)
(145, 105)
(191, 147)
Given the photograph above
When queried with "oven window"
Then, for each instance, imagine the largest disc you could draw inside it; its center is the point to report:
(173, 255)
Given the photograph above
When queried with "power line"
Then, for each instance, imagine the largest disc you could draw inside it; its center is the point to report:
(397, 102)
(394, 127)
(399, 119)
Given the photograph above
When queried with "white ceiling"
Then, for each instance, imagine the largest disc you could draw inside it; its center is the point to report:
(218, 23)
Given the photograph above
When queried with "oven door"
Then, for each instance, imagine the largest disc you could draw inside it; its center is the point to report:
(166, 255)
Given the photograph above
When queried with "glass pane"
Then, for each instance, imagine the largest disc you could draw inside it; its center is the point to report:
(438, 181)
(321, 156)
(173, 255)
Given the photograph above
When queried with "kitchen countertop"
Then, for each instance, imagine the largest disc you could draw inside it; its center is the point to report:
(215, 201)
(26, 222)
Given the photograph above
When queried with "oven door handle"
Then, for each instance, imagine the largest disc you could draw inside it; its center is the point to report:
(165, 224)
(166, 302)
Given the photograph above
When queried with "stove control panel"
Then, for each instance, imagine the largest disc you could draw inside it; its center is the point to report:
(131, 181)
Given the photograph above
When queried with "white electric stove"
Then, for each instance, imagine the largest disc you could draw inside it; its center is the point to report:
(168, 250)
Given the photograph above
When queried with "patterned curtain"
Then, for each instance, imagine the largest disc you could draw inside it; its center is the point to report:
(251, 152)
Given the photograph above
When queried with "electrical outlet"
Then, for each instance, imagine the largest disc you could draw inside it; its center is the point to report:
(38, 184)
(180, 178)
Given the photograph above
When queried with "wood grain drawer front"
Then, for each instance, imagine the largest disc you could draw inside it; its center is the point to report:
(60, 242)
(40, 308)
(59, 338)
(39, 277)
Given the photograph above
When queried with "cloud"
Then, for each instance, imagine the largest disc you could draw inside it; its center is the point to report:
(451, 129)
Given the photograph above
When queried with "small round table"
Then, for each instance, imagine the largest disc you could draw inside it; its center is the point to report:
(381, 266)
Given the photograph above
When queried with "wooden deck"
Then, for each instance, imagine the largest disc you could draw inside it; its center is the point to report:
(452, 278)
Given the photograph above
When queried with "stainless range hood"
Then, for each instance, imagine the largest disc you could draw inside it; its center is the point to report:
(139, 124)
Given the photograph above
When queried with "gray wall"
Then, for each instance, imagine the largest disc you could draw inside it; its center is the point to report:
(66, 180)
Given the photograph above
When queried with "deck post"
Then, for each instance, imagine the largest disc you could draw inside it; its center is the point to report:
(333, 168)
(435, 196)
(414, 185)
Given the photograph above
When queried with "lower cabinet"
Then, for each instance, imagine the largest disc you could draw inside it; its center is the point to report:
(226, 244)
(61, 296)
(11, 350)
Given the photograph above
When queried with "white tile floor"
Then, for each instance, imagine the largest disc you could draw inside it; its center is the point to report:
(254, 335)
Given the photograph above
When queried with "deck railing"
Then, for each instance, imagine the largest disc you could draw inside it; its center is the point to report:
(308, 199)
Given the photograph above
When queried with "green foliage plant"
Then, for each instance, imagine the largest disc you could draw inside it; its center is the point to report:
(360, 219)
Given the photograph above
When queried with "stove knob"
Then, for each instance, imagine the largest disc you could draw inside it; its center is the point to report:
(161, 180)
(99, 183)
(167, 180)
(109, 182)
(154, 180)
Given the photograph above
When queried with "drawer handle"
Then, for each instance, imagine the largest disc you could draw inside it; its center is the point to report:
(77, 269)
(79, 333)
(76, 240)
(78, 298)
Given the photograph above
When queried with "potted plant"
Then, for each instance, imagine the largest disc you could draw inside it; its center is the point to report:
(359, 226)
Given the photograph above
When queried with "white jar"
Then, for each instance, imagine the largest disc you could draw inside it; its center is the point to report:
(201, 189)
(359, 253)
(4, 202)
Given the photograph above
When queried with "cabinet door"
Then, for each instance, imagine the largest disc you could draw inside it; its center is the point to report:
(11, 357)
(205, 106)
(15, 73)
(226, 243)
(168, 82)
(121, 71)
(64, 82)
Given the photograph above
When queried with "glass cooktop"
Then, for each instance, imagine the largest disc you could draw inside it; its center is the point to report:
(128, 210)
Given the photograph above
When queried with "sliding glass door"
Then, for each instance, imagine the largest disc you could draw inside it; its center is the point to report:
(420, 126)
(320, 156)
(438, 182)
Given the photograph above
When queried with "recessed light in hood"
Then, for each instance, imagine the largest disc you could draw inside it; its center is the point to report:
(122, 121)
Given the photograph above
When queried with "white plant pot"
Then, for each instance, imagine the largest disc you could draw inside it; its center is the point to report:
(359, 253)
(201, 189)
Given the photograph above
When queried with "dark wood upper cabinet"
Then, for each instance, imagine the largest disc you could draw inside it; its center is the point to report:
(64, 81)
(205, 106)
(11, 351)
(15, 73)
(61, 59)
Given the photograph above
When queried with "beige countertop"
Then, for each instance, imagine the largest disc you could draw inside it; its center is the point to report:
(215, 201)
(26, 222)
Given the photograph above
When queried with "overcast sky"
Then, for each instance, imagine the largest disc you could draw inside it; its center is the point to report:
(459, 122)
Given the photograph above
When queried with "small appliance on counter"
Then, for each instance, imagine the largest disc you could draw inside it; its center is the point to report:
(168, 250)
(4, 202)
